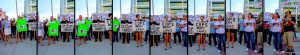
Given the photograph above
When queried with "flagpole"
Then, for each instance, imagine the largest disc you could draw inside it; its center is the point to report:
(16, 7)
(87, 8)
(51, 8)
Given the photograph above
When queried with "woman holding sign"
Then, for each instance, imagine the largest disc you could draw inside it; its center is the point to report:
(125, 35)
(138, 34)
(230, 33)
(220, 33)
(21, 28)
(167, 34)
(250, 25)
(201, 36)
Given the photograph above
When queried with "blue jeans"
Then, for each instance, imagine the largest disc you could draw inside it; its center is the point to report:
(146, 35)
(277, 41)
(184, 36)
(250, 38)
(115, 36)
(221, 40)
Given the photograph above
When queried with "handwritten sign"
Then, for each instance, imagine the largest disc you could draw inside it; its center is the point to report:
(140, 26)
(67, 27)
(202, 27)
(155, 30)
(232, 22)
(98, 26)
(32, 26)
(169, 27)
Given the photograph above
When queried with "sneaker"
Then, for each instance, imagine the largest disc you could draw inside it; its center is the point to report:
(255, 51)
(204, 49)
(274, 50)
(174, 44)
(247, 49)
(165, 48)
(209, 46)
(231, 46)
(239, 44)
(219, 51)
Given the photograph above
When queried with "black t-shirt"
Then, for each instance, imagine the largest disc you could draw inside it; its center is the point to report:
(289, 27)
(64, 22)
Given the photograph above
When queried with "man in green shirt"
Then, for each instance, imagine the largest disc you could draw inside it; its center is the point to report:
(115, 26)
(53, 26)
(21, 28)
(81, 30)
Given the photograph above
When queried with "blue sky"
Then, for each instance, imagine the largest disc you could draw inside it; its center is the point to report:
(271, 5)
(236, 6)
(9, 6)
(158, 6)
(81, 9)
(200, 7)
(44, 8)
(125, 7)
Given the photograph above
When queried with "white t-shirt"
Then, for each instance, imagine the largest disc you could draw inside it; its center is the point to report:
(249, 25)
(220, 29)
(184, 29)
(78, 21)
(276, 27)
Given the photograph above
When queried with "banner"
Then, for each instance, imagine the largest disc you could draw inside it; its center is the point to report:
(67, 27)
(32, 26)
(98, 26)
(155, 30)
(140, 26)
(232, 22)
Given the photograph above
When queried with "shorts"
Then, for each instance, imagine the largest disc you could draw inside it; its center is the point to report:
(288, 38)
(232, 30)
(7, 31)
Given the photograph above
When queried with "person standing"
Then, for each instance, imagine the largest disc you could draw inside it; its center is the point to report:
(201, 36)
(125, 35)
(7, 30)
(177, 32)
(250, 25)
(65, 34)
(212, 34)
(288, 35)
(241, 30)
(138, 34)
(220, 33)
(183, 27)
